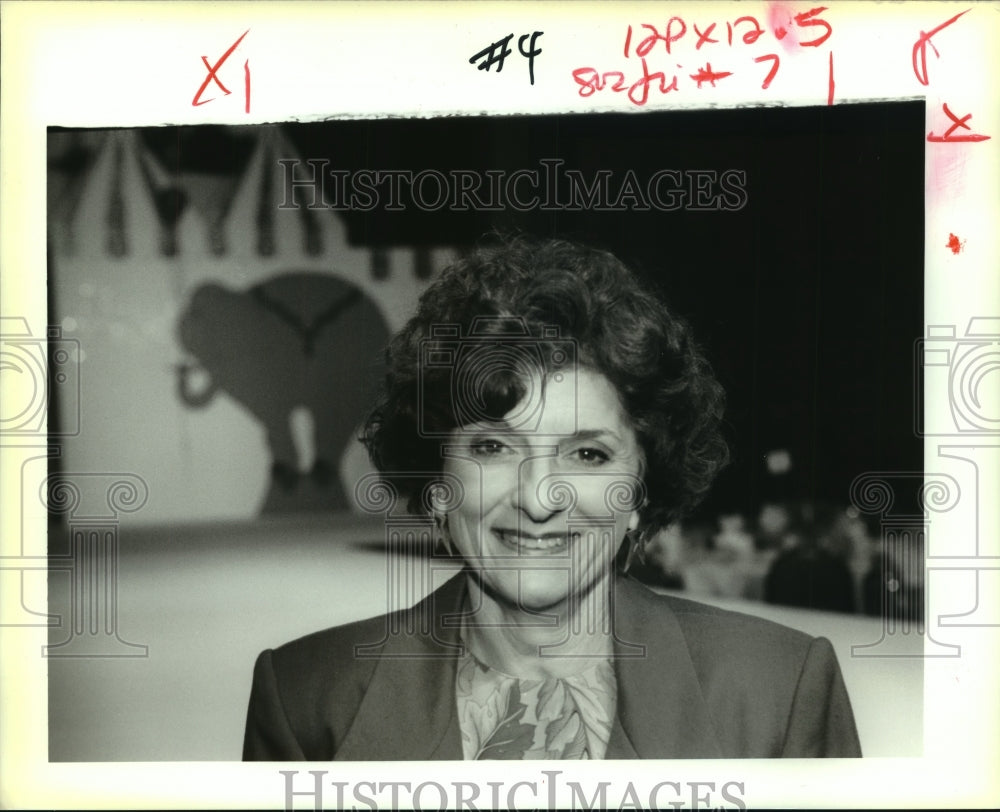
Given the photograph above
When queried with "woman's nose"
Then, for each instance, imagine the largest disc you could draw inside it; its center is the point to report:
(534, 483)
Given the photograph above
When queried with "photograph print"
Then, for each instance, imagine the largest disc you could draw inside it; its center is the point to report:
(539, 437)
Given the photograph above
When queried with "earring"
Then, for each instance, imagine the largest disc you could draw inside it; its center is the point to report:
(636, 549)
(442, 541)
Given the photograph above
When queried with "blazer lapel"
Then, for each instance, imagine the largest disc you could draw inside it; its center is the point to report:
(408, 711)
(661, 710)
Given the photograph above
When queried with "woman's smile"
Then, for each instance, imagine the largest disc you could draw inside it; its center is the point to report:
(535, 544)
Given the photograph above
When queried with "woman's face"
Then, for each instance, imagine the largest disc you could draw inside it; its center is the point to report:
(547, 505)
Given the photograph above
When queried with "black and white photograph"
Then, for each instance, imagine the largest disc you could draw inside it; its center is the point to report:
(420, 441)
(544, 370)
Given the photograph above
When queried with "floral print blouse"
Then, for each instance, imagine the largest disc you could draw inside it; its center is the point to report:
(507, 717)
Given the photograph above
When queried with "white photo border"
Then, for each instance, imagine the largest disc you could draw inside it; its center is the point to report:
(138, 64)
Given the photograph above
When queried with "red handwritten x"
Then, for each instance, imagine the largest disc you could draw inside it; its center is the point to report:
(212, 72)
(959, 122)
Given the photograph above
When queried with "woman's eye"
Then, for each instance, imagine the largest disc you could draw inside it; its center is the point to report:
(487, 447)
(591, 456)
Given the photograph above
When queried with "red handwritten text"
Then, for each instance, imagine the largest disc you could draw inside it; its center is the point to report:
(590, 81)
(706, 74)
(805, 20)
(920, 49)
(213, 76)
(958, 123)
(647, 41)
(919, 57)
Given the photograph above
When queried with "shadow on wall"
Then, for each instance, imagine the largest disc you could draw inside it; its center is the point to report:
(302, 352)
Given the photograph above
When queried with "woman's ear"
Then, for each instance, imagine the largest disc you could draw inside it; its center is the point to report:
(439, 502)
(634, 516)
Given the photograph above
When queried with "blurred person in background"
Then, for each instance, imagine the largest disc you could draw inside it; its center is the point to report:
(812, 570)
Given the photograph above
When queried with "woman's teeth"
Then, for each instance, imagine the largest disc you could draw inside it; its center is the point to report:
(530, 543)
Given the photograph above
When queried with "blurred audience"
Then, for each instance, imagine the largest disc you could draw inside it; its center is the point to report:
(807, 554)
(811, 571)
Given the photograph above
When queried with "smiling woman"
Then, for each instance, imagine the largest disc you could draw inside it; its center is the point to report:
(578, 418)
(583, 445)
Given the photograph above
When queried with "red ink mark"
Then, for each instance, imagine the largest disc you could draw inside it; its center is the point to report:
(590, 81)
(958, 122)
(920, 49)
(667, 37)
(830, 85)
(946, 164)
(706, 37)
(213, 73)
(212, 76)
(805, 20)
(643, 40)
(779, 18)
(671, 39)
(771, 73)
(246, 85)
(706, 74)
(750, 37)
(643, 83)
(955, 244)
(644, 47)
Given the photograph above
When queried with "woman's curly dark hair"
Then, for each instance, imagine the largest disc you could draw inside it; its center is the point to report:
(545, 292)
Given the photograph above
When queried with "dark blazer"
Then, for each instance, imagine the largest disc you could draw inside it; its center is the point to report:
(693, 682)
